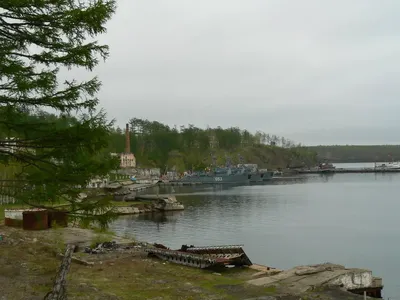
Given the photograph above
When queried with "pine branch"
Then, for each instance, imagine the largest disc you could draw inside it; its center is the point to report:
(54, 153)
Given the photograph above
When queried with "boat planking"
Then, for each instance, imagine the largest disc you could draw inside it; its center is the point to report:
(202, 257)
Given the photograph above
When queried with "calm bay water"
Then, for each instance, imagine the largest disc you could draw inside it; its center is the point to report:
(349, 219)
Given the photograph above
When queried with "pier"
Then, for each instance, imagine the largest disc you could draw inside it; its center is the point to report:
(178, 183)
(346, 171)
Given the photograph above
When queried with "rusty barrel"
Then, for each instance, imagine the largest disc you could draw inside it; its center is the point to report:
(35, 219)
(59, 218)
(13, 222)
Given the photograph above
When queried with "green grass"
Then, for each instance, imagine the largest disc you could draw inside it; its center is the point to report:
(100, 238)
(31, 266)
(155, 279)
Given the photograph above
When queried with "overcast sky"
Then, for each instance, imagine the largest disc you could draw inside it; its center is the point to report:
(315, 71)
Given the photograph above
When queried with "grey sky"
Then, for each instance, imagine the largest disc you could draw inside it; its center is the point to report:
(315, 71)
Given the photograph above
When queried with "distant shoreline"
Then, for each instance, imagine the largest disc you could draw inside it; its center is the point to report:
(357, 153)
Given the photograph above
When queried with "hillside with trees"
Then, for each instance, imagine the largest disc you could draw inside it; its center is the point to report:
(357, 153)
(188, 147)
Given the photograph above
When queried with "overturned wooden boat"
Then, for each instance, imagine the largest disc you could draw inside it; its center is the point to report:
(202, 257)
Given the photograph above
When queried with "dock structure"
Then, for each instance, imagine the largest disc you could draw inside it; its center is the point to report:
(178, 183)
(347, 171)
(129, 185)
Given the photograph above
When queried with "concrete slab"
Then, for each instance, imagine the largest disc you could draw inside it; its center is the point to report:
(305, 278)
(263, 268)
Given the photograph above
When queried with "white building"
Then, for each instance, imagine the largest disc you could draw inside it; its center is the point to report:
(127, 160)
(98, 183)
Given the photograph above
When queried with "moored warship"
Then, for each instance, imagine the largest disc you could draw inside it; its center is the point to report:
(242, 173)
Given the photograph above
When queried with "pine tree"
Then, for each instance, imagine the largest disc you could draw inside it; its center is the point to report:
(54, 154)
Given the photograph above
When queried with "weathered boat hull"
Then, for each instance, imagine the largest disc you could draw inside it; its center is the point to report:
(240, 259)
(202, 257)
(182, 258)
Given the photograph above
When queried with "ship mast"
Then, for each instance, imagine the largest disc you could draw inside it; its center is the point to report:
(213, 160)
(228, 163)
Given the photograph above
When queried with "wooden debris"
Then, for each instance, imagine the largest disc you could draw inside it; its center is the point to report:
(59, 290)
(77, 260)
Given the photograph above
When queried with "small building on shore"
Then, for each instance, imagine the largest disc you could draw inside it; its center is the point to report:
(127, 158)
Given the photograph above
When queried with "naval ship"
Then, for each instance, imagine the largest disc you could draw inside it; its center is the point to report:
(257, 175)
(218, 176)
(242, 173)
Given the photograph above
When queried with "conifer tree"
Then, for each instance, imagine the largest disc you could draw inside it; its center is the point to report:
(51, 132)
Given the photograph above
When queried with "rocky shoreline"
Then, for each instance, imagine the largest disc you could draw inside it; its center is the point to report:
(134, 209)
(152, 204)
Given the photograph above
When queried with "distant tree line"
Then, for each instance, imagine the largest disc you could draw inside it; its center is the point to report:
(189, 147)
(357, 153)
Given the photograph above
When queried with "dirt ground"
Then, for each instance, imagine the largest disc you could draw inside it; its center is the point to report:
(28, 265)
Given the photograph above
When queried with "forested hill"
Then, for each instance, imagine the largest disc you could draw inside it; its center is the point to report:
(354, 153)
(188, 147)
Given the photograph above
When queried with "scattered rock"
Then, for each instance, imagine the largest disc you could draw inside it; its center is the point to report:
(102, 248)
(160, 281)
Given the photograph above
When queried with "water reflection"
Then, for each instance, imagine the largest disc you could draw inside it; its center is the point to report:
(162, 217)
(126, 224)
(326, 177)
(223, 209)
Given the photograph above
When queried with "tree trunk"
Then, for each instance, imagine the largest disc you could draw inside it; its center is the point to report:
(59, 290)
